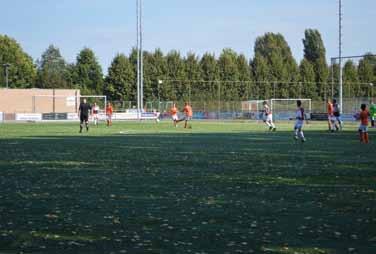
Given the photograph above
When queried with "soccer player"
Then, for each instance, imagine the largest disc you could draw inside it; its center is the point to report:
(174, 114)
(109, 111)
(83, 112)
(330, 116)
(95, 112)
(298, 128)
(372, 111)
(268, 117)
(188, 113)
(337, 115)
(363, 127)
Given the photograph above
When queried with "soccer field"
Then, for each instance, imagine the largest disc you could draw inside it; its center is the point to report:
(220, 187)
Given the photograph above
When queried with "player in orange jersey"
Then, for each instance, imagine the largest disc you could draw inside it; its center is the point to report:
(188, 115)
(363, 127)
(331, 118)
(174, 114)
(109, 111)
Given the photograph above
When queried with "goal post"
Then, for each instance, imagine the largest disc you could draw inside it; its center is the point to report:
(253, 109)
(284, 109)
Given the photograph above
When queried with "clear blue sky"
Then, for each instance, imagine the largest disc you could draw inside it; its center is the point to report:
(108, 27)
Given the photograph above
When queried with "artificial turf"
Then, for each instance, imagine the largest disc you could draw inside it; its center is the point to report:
(220, 187)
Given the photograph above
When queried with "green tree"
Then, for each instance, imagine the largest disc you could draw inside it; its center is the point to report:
(193, 75)
(120, 79)
(262, 76)
(149, 85)
(89, 75)
(333, 79)
(22, 71)
(52, 70)
(158, 76)
(284, 70)
(245, 77)
(307, 78)
(351, 86)
(367, 74)
(228, 71)
(210, 76)
(315, 53)
(176, 76)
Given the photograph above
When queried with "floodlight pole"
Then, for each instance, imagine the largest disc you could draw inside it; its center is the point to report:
(140, 67)
(141, 62)
(340, 58)
(138, 59)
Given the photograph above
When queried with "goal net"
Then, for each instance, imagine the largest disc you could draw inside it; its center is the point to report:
(284, 109)
(253, 109)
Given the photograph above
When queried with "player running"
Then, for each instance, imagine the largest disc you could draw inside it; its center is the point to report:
(372, 111)
(174, 114)
(109, 111)
(83, 112)
(300, 116)
(188, 113)
(95, 112)
(363, 127)
(337, 115)
(330, 111)
(268, 117)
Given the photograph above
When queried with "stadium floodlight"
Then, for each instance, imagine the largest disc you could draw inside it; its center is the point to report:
(6, 68)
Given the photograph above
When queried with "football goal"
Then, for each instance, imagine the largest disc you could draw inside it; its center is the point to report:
(282, 109)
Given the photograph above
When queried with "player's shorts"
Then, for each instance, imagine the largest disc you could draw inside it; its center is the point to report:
(175, 117)
(299, 124)
(95, 116)
(84, 118)
(187, 118)
(363, 128)
(109, 117)
(268, 118)
(332, 118)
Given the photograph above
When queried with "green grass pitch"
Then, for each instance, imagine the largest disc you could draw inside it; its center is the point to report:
(220, 187)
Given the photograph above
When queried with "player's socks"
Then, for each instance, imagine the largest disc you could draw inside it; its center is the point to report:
(366, 140)
(301, 134)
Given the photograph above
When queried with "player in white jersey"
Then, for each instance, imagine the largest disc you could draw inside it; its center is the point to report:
(95, 109)
(268, 117)
(300, 116)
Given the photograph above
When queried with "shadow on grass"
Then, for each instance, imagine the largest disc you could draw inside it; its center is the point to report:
(187, 192)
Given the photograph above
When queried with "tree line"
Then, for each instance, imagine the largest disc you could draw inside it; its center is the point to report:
(272, 72)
